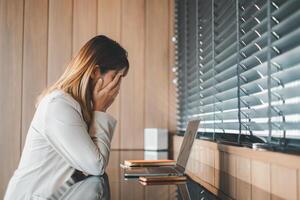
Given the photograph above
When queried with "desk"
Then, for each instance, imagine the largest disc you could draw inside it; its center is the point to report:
(113, 185)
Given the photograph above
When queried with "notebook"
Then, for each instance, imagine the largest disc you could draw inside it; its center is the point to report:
(145, 163)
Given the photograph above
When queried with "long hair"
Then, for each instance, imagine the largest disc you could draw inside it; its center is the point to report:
(99, 51)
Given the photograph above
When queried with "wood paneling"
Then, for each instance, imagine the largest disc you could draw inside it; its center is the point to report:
(172, 87)
(33, 55)
(132, 88)
(217, 171)
(242, 173)
(206, 165)
(156, 64)
(84, 22)
(228, 174)
(298, 175)
(60, 37)
(283, 183)
(109, 24)
(109, 18)
(260, 180)
(11, 43)
(34, 58)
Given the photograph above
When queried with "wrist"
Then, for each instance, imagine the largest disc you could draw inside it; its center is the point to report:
(99, 109)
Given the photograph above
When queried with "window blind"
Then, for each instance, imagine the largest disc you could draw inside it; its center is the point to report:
(238, 68)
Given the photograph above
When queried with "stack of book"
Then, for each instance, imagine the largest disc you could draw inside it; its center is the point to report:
(160, 180)
(147, 163)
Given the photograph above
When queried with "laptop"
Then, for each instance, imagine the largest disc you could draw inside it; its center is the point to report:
(183, 156)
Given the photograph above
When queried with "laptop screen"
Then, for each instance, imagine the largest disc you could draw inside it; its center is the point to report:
(187, 143)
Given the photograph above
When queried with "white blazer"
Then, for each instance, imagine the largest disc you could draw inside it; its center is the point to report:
(57, 143)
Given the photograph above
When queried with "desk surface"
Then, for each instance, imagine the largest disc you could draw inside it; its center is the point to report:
(113, 185)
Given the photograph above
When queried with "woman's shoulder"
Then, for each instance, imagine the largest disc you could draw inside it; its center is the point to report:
(55, 103)
(58, 95)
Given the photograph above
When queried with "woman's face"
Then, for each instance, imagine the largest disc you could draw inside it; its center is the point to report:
(107, 77)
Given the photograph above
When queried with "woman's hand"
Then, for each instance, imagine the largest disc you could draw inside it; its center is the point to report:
(104, 97)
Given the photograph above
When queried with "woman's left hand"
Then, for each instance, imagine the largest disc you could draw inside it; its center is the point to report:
(104, 97)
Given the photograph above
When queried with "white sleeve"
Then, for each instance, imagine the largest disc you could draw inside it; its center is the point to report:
(67, 133)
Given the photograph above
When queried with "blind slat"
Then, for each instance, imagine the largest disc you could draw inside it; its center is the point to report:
(238, 66)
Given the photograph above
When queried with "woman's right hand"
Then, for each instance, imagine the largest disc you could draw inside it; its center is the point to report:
(104, 97)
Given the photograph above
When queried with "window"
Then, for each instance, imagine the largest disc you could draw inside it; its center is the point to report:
(238, 70)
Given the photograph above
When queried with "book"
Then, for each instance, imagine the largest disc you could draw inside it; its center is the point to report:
(162, 183)
(162, 178)
(148, 163)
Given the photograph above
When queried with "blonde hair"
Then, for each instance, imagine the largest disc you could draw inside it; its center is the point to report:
(101, 52)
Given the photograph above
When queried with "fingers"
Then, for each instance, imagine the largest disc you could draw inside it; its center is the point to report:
(118, 80)
(114, 95)
(116, 89)
(114, 82)
(99, 84)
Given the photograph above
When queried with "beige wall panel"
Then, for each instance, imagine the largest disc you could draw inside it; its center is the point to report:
(11, 33)
(197, 152)
(34, 58)
(283, 183)
(172, 88)
(156, 64)
(228, 174)
(207, 156)
(84, 22)
(228, 184)
(195, 157)
(109, 18)
(59, 38)
(217, 172)
(243, 178)
(207, 173)
(190, 163)
(205, 163)
(298, 192)
(260, 174)
(109, 24)
(228, 163)
(175, 146)
(132, 89)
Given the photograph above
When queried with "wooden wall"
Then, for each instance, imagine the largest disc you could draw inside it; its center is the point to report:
(172, 102)
(11, 75)
(241, 173)
(39, 37)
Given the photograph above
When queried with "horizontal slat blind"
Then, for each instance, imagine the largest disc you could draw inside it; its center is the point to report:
(180, 54)
(238, 66)
(285, 74)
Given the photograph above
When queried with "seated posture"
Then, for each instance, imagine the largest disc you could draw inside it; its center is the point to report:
(70, 129)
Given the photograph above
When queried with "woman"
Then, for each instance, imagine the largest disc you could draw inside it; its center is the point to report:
(84, 188)
(70, 129)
